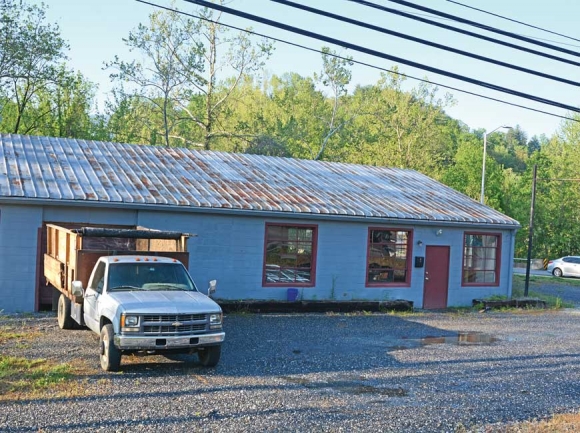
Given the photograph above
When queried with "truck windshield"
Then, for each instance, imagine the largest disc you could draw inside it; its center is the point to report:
(149, 276)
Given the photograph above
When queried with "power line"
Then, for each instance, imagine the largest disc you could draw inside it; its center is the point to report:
(525, 35)
(485, 27)
(359, 62)
(553, 41)
(465, 32)
(425, 42)
(382, 55)
(513, 21)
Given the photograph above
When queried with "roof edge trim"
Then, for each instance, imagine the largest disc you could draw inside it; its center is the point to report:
(253, 213)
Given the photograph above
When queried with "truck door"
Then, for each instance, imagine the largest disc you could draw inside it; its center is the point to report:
(92, 293)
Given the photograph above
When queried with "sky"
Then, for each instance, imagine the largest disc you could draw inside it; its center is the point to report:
(95, 30)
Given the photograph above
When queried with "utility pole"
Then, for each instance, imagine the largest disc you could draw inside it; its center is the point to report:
(531, 232)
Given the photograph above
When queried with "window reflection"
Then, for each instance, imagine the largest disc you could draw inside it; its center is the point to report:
(480, 253)
(289, 254)
(387, 256)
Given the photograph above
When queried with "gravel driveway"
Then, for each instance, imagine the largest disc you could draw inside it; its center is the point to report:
(417, 373)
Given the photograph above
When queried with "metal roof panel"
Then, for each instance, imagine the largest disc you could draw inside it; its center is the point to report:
(81, 170)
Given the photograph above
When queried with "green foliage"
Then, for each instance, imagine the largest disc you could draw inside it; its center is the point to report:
(176, 86)
(38, 93)
(193, 83)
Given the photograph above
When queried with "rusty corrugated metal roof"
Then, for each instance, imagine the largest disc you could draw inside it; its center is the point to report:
(79, 170)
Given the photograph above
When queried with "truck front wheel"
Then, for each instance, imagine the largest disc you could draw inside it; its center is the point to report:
(209, 356)
(65, 321)
(110, 355)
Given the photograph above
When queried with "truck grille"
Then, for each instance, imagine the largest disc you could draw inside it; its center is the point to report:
(172, 330)
(174, 318)
(174, 324)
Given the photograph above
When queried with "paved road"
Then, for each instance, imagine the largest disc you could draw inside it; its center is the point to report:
(536, 272)
(425, 372)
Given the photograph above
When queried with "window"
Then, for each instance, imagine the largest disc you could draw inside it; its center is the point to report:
(99, 278)
(388, 257)
(148, 276)
(481, 258)
(290, 255)
(571, 259)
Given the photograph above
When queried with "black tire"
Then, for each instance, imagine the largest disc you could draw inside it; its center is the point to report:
(110, 355)
(65, 321)
(209, 356)
(557, 272)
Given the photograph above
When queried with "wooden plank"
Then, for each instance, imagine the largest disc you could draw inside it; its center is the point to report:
(54, 272)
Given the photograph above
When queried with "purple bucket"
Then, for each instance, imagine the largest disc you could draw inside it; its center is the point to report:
(292, 295)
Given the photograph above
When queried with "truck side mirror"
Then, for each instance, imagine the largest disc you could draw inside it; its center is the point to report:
(77, 289)
(211, 289)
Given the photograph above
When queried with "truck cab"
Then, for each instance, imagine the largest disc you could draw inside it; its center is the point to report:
(150, 304)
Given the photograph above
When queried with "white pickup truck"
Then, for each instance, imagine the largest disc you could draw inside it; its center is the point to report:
(131, 287)
(149, 304)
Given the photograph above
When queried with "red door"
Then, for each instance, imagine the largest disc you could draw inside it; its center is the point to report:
(436, 277)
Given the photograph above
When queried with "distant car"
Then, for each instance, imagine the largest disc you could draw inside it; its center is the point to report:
(568, 266)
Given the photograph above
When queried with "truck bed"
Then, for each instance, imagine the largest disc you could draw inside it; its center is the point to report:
(72, 253)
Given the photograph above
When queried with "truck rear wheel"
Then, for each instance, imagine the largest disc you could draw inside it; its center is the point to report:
(209, 356)
(110, 355)
(65, 321)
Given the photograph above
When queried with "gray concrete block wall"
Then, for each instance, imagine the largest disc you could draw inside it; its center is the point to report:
(230, 248)
(90, 215)
(18, 250)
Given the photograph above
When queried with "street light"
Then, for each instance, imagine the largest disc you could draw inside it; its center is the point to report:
(484, 153)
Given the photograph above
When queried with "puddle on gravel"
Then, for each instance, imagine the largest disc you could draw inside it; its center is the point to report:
(349, 386)
(461, 339)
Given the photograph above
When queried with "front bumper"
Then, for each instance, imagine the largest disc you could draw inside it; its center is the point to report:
(137, 342)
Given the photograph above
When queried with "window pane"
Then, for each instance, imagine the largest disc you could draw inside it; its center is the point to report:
(401, 251)
(401, 276)
(276, 232)
(489, 277)
(303, 260)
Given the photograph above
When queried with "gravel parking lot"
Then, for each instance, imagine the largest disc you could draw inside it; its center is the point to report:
(317, 372)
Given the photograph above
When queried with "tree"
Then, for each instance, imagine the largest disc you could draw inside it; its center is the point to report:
(465, 173)
(242, 56)
(30, 51)
(336, 76)
(161, 81)
(71, 102)
(178, 78)
(508, 149)
(403, 129)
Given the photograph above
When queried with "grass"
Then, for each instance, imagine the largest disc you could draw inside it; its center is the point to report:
(22, 378)
(553, 302)
(12, 333)
(561, 423)
(9, 333)
(20, 375)
(518, 288)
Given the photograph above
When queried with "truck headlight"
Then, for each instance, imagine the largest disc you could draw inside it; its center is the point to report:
(215, 321)
(129, 323)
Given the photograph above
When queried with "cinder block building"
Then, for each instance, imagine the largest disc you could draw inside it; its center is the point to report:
(264, 225)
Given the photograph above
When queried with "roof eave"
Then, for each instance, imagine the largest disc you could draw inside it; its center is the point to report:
(259, 213)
